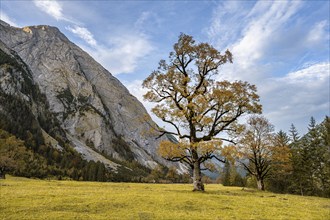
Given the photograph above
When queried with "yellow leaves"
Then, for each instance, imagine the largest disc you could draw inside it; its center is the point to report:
(229, 56)
(281, 157)
(185, 80)
(160, 111)
(236, 94)
(192, 101)
(230, 153)
(206, 147)
(168, 149)
(206, 120)
(151, 96)
(185, 45)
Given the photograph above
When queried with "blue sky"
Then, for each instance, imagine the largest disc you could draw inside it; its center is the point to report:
(280, 46)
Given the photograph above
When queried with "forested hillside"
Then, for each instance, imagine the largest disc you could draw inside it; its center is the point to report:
(28, 127)
(32, 142)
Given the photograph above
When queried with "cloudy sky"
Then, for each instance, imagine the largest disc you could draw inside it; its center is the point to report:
(280, 46)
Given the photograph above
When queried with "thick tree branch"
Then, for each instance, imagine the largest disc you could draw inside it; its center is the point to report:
(218, 159)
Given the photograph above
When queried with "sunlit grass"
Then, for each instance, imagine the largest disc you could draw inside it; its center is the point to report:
(41, 199)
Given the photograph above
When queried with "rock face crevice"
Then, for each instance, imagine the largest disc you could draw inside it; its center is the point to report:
(94, 109)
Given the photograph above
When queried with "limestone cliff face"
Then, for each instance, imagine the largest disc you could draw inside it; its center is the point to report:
(96, 111)
(24, 111)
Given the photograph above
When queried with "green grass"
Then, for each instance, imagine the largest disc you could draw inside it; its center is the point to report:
(23, 198)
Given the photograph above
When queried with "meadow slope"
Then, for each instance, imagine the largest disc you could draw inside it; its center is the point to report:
(23, 198)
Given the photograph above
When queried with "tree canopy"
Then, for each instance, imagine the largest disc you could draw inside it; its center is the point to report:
(256, 148)
(198, 107)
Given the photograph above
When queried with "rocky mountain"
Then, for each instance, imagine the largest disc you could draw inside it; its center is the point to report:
(65, 89)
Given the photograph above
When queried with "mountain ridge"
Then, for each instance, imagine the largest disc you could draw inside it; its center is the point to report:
(97, 113)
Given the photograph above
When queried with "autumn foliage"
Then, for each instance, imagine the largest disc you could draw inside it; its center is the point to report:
(198, 107)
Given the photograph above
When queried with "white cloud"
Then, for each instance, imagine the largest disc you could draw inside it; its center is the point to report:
(310, 75)
(53, 8)
(124, 50)
(227, 22)
(7, 19)
(266, 19)
(266, 42)
(248, 31)
(84, 34)
(123, 54)
(145, 16)
(318, 32)
(147, 20)
(293, 98)
(297, 96)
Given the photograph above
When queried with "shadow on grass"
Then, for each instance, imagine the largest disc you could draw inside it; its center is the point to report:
(146, 215)
(226, 191)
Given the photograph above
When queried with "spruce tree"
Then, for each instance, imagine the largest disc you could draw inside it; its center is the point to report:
(226, 174)
(282, 163)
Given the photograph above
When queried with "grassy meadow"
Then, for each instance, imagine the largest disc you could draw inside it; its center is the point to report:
(23, 198)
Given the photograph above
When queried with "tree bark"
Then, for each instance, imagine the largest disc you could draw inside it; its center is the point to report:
(301, 190)
(197, 178)
(2, 175)
(260, 184)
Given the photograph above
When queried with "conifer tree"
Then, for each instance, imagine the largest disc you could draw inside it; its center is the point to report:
(226, 174)
(281, 163)
(311, 160)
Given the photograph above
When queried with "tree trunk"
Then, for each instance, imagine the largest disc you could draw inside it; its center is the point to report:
(260, 184)
(197, 178)
(2, 175)
(301, 190)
